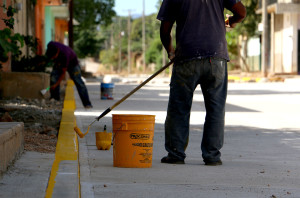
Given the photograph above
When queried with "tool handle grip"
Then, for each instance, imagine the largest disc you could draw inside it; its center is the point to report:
(103, 114)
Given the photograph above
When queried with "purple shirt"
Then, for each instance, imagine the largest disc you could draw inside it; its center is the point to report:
(66, 57)
(200, 31)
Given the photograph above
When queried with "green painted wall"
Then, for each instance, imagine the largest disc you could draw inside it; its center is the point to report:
(49, 25)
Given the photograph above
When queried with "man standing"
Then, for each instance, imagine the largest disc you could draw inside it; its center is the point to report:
(65, 59)
(200, 58)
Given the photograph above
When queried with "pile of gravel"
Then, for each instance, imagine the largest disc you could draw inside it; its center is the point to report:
(41, 120)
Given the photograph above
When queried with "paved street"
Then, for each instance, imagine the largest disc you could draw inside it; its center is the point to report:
(260, 155)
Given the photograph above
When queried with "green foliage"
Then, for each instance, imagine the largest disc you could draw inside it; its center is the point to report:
(31, 62)
(153, 53)
(9, 42)
(35, 63)
(90, 12)
(112, 35)
(9, 13)
(87, 43)
(109, 58)
(153, 44)
(91, 15)
(249, 25)
(136, 35)
(12, 43)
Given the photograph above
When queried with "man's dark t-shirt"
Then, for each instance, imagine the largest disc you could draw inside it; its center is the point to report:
(66, 57)
(200, 30)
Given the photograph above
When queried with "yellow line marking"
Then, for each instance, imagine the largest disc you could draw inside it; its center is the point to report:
(67, 142)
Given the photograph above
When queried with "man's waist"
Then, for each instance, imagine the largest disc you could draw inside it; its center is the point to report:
(199, 57)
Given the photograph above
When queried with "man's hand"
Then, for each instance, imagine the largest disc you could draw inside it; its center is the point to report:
(239, 13)
(227, 25)
(61, 77)
(53, 86)
(171, 55)
(227, 20)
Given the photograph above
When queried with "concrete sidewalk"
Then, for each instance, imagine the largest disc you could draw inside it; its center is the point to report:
(44, 175)
(260, 153)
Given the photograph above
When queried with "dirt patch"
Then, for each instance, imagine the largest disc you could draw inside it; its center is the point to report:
(41, 120)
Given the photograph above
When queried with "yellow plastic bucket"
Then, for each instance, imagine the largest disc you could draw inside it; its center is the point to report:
(133, 140)
(103, 140)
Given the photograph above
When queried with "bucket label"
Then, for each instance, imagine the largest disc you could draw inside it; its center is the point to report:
(139, 136)
(146, 160)
(147, 155)
(143, 144)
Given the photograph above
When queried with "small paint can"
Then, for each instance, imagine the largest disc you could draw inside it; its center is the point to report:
(107, 91)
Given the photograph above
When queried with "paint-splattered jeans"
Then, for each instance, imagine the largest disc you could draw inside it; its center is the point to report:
(211, 74)
(75, 75)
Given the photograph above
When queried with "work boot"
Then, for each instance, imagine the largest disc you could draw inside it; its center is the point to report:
(170, 160)
(217, 163)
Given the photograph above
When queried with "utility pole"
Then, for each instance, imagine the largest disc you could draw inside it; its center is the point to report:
(265, 38)
(112, 43)
(70, 31)
(112, 40)
(144, 38)
(129, 40)
(120, 46)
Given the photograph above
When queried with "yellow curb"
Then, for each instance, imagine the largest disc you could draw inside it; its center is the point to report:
(257, 79)
(243, 79)
(235, 78)
(69, 104)
(67, 142)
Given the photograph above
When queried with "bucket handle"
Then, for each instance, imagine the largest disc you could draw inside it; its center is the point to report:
(124, 126)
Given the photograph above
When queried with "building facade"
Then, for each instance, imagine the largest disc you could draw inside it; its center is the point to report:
(51, 22)
(45, 20)
(284, 29)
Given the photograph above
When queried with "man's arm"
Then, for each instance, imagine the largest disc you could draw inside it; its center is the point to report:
(59, 79)
(239, 13)
(166, 38)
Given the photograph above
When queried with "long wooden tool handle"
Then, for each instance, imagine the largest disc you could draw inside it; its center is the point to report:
(134, 90)
(141, 85)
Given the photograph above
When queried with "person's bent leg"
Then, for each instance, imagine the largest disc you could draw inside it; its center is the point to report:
(75, 75)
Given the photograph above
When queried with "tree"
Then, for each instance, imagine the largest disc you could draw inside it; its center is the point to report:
(9, 42)
(91, 14)
(247, 28)
(154, 47)
(114, 37)
(87, 43)
(112, 33)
